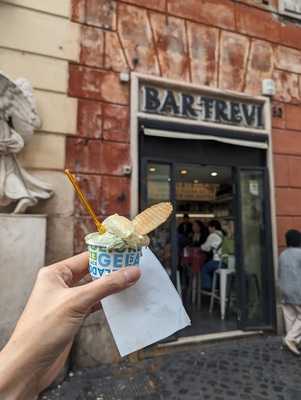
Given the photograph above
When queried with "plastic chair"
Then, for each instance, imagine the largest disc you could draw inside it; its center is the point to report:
(223, 274)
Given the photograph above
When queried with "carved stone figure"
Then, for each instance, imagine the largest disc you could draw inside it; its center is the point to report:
(18, 119)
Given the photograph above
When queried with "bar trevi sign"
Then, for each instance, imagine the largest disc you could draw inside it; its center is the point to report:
(197, 106)
(291, 8)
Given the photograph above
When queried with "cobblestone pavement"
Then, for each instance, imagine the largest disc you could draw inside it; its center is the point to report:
(248, 369)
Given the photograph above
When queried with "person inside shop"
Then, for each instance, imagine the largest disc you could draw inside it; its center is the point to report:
(228, 246)
(183, 234)
(193, 255)
(57, 307)
(185, 227)
(192, 258)
(290, 285)
(213, 248)
(198, 235)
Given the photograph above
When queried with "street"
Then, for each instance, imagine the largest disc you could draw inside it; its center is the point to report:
(247, 369)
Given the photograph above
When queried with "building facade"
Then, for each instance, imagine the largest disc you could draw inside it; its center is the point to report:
(129, 86)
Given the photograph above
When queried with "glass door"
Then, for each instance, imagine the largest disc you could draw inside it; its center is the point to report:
(157, 185)
(254, 250)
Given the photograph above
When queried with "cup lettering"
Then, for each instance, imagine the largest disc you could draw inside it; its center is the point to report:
(137, 257)
(102, 263)
(118, 260)
(104, 259)
(131, 259)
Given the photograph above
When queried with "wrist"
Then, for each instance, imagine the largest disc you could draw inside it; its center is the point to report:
(18, 373)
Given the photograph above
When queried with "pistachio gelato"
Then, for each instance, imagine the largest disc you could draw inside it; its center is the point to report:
(120, 234)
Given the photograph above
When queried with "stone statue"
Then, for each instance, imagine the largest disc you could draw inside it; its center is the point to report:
(18, 119)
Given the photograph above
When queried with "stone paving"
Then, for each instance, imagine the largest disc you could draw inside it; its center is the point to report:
(248, 369)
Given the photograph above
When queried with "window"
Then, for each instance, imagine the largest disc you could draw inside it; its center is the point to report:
(291, 8)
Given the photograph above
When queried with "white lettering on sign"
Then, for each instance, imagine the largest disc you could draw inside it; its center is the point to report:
(291, 8)
(194, 106)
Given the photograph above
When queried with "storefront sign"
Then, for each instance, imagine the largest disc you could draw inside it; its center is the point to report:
(195, 106)
(291, 8)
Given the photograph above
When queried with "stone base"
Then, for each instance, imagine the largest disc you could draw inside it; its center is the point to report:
(22, 254)
(94, 345)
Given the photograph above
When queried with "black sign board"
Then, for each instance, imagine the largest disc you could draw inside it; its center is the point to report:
(207, 108)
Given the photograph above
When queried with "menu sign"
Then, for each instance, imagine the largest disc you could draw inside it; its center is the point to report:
(159, 191)
(195, 191)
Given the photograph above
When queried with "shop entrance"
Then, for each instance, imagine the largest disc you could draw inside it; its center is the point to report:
(205, 181)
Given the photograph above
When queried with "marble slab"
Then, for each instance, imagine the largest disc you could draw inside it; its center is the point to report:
(22, 254)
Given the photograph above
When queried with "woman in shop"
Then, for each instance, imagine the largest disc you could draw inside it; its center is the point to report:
(183, 233)
(185, 227)
(195, 254)
(290, 285)
(198, 235)
(213, 247)
(192, 257)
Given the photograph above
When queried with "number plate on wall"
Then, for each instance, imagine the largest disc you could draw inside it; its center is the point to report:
(291, 8)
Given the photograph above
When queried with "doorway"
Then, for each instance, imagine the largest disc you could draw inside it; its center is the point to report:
(226, 189)
(202, 193)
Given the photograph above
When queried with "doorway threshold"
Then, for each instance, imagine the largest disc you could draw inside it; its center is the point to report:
(210, 337)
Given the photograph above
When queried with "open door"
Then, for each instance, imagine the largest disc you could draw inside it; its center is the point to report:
(254, 250)
(157, 184)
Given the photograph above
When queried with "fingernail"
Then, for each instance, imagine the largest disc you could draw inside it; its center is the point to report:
(131, 275)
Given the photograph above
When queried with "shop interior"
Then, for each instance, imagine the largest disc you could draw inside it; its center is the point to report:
(203, 193)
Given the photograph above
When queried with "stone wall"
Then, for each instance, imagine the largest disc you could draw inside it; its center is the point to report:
(37, 42)
(220, 43)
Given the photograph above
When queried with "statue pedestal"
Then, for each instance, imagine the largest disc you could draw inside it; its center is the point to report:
(22, 254)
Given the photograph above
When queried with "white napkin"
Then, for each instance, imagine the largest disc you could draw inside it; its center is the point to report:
(147, 312)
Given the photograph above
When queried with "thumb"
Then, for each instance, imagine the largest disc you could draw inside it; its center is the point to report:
(115, 282)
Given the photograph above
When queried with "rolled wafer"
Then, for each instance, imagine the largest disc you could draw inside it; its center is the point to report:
(152, 217)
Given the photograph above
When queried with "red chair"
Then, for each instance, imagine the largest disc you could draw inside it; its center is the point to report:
(193, 259)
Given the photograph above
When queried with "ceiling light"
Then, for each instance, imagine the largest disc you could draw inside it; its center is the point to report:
(213, 173)
(196, 181)
(184, 172)
(196, 215)
(152, 169)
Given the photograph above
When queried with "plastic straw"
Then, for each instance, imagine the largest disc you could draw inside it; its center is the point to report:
(100, 227)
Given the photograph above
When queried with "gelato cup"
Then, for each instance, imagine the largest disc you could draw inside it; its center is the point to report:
(121, 243)
(120, 246)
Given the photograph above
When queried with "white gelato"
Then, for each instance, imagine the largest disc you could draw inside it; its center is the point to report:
(120, 234)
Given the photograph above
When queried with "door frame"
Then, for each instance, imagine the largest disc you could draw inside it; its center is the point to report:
(269, 300)
(135, 114)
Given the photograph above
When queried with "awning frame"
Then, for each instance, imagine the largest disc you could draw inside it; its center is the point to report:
(193, 136)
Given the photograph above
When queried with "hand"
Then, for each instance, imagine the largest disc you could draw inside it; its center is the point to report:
(53, 315)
